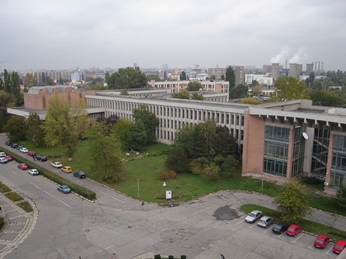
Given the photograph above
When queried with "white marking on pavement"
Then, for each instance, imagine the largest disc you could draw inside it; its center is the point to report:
(13, 172)
(197, 212)
(51, 195)
(112, 197)
(297, 238)
(329, 250)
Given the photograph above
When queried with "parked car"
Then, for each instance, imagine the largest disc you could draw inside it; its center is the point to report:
(253, 216)
(23, 166)
(66, 169)
(8, 158)
(321, 241)
(57, 164)
(33, 172)
(2, 154)
(64, 188)
(41, 158)
(31, 153)
(293, 230)
(79, 174)
(14, 145)
(19, 147)
(280, 228)
(24, 150)
(8, 143)
(339, 246)
(265, 221)
(3, 160)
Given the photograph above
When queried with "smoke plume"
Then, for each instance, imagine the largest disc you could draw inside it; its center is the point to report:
(300, 56)
(282, 56)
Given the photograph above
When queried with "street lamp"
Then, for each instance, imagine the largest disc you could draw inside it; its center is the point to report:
(137, 187)
(262, 181)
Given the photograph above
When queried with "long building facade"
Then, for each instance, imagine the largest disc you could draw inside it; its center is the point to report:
(279, 142)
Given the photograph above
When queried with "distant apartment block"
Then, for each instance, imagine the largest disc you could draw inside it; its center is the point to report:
(239, 73)
(261, 79)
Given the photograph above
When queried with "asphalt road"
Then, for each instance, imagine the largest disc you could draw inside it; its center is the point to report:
(116, 227)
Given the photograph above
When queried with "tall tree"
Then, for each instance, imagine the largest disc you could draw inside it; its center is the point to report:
(33, 127)
(105, 153)
(121, 130)
(293, 202)
(183, 76)
(30, 81)
(230, 77)
(290, 89)
(15, 128)
(127, 78)
(341, 195)
(64, 124)
(240, 91)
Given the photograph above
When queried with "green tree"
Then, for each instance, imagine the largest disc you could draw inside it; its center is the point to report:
(147, 120)
(15, 128)
(293, 202)
(105, 153)
(194, 86)
(341, 195)
(240, 91)
(184, 94)
(30, 81)
(290, 89)
(197, 96)
(183, 76)
(33, 127)
(222, 77)
(230, 77)
(64, 124)
(127, 78)
(324, 98)
(121, 130)
(153, 77)
(251, 100)
(212, 77)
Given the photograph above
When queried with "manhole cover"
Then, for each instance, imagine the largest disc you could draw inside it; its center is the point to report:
(225, 213)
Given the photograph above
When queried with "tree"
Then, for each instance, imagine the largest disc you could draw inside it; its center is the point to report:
(212, 77)
(251, 100)
(197, 96)
(230, 77)
(341, 195)
(121, 130)
(290, 89)
(181, 95)
(194, 86)
(183, 76)
(240, 91)
(153, 77)
(33, 127)
(127, 78)
(147, 120)
(30, 81)
(293, 202)
(105, 153)
(324, 98)
(64, 124)
(222, 77)
(15, 128)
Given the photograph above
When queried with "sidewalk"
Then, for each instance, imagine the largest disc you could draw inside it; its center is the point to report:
(18, 225)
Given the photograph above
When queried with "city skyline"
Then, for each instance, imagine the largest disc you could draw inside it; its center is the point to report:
(68, 34)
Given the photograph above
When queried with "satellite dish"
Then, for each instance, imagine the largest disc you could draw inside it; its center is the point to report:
(305, 135)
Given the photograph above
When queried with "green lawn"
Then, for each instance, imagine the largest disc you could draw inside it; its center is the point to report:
(142, 171)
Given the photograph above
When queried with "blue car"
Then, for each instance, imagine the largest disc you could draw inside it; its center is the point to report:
(79, 174)
(64, 189)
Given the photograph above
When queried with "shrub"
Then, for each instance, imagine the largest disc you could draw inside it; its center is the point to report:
(2, 223)
(13, 196)
(183, 257)
(163, 175)
(170, 257)
(25, 206)
(173, 174)
(4, 188)
(157, 256)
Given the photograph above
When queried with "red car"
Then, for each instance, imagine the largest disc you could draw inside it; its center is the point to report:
(321, 241)
(23, 166)
(339, 246)
(31, 153)
(8, 158)
(293, 230)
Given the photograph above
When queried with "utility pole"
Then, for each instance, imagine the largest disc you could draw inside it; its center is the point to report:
(138, 188)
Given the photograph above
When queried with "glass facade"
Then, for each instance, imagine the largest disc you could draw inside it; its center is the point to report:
(338, 167)
(276, 150)
(298, 152)
(320, 153)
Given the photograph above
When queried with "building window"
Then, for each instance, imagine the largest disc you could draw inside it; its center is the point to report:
(338, 167)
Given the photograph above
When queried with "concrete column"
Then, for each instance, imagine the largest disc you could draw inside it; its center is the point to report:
(330, 158)
(290, 155)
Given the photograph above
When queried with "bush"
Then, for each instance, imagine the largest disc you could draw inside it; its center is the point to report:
(163, 175)
(157, 256)
(173, 174)
(4, 188)
(13, 196)
(170, 257)
(183, 257)
(25, 206)
(2, 223)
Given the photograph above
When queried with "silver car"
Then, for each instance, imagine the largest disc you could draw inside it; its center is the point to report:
(265, 221)
(253, 216)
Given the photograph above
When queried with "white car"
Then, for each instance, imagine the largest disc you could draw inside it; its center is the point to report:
(24, 150)
(33, 172)
(3, 160)
(57, 164)
(253, 216)
(2, 154)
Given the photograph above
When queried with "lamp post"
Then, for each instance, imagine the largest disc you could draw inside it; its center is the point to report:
(262, 181)
(137, 187)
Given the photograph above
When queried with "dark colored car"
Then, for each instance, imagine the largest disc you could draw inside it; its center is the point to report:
(293, 230)
(280, 228)
(79, 174)
(321, 241)
(8, 143)
(41, 158)
(14, 145)
(31, 153)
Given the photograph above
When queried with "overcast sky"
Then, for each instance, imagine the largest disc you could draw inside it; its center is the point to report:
(65, 34)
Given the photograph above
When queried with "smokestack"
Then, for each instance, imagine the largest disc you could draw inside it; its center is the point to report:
(316, 67)
(322, 66)
(319, 67)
